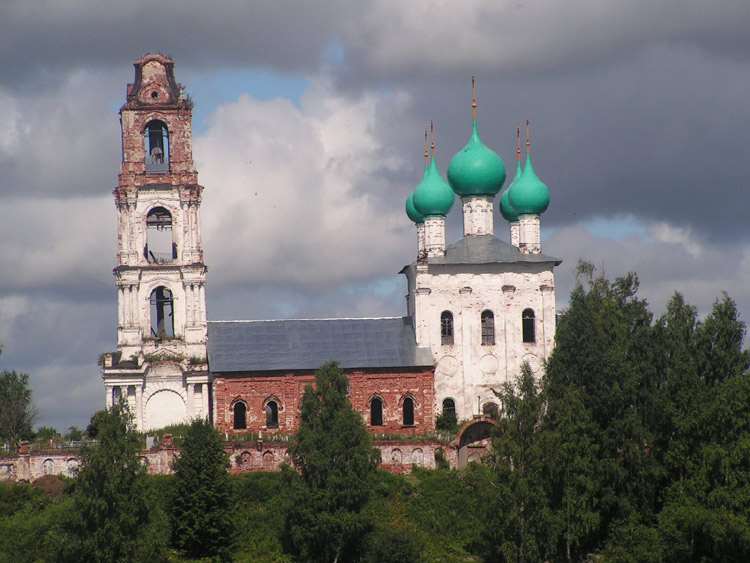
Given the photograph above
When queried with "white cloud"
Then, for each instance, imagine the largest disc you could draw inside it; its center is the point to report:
(298, 196)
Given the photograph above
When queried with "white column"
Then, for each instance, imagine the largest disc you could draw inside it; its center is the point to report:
(478, 216)
(190, 400)
(514, 233)
(530, 239)
(139, 407)
(204, 400)
(421, 252)
(434, 234)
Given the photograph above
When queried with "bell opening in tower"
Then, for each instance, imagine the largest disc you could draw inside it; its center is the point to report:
(157, 147)
(160, 247)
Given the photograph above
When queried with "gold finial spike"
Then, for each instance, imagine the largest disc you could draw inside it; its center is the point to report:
(518, 144)
(432, 137)
(528, 142)
(473, 98)
(426, 154)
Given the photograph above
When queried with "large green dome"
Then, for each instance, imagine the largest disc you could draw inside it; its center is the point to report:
(506, 210)
(476, 170)
(528, 196)
(433, 196)
(411, 212)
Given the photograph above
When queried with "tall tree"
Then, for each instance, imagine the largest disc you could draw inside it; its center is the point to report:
(333, 453)
(116, 518)
(17, 414)
(199, 510)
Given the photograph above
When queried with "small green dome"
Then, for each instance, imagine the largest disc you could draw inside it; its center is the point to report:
(528, 196)
(476, 170)
(508, 213)
(433, 196)
(412, 213)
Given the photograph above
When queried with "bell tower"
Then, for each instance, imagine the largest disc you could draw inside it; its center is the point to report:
(160, 365)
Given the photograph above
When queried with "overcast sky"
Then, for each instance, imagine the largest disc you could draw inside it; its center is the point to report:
(308, 137)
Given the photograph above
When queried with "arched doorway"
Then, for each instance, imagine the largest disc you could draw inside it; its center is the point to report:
(474, 439)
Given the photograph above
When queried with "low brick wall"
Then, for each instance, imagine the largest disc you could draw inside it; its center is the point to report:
(397, 457)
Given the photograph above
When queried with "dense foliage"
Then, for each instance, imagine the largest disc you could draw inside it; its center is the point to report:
(333, 453)
(199, 507)
(16, 411)
(115, 517)
(637, 444)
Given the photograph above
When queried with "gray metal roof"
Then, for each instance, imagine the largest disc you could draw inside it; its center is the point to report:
(309, 343)
(485, 249)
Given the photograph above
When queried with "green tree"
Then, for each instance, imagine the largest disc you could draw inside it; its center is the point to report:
(199, 508)
(116, 519)
(337, 464)
(518, 515)
(17, 414)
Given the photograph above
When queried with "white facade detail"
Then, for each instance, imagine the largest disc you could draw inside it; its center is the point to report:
(529, 234)
(434, 236)
(471, 362)
(478, 216)
(160, 366)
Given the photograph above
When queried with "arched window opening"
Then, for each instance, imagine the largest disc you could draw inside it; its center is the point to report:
(446, 328)
(529, 331)
(376, 412)
(162, 313)
(272, 414)
(490, 409)
(160, 249)
(408, 411)
(157, 147)
(449, 407)
(488, 328)
(240, 416)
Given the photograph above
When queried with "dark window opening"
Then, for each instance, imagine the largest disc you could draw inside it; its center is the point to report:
(529, 331)
(240, 419)
(157, 147)
(488, 328)
(446, 328)
(272, 415)
(376, 412)
(408, 412)
(490, 409)
(160, 249)
(162, 317)
(449, 407)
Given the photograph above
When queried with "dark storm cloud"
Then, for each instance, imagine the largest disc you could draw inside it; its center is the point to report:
(41, 41)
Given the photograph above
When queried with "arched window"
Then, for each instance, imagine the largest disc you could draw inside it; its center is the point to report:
(449, 407)
(490, 409)
(376, 412)
(488, 328)
(446, 328)
(157, 147)
(272, 414)
(160, 249)
(240, 416)
(162, 317)
(529, 332)
(408, 411)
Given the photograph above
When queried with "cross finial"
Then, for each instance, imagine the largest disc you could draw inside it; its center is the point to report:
(473, 98)
(432, 137)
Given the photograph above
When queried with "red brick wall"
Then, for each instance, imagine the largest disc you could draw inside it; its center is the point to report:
(391, 385)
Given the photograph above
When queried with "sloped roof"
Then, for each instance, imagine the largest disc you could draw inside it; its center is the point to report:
(486, 249)
(306, 344)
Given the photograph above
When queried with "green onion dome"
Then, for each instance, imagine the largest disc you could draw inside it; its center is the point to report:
(528, 196)
(411, 212)
(508, 213)
(476, 170)
(433, 196)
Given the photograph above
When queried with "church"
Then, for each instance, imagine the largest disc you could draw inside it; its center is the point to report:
(477, 309)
